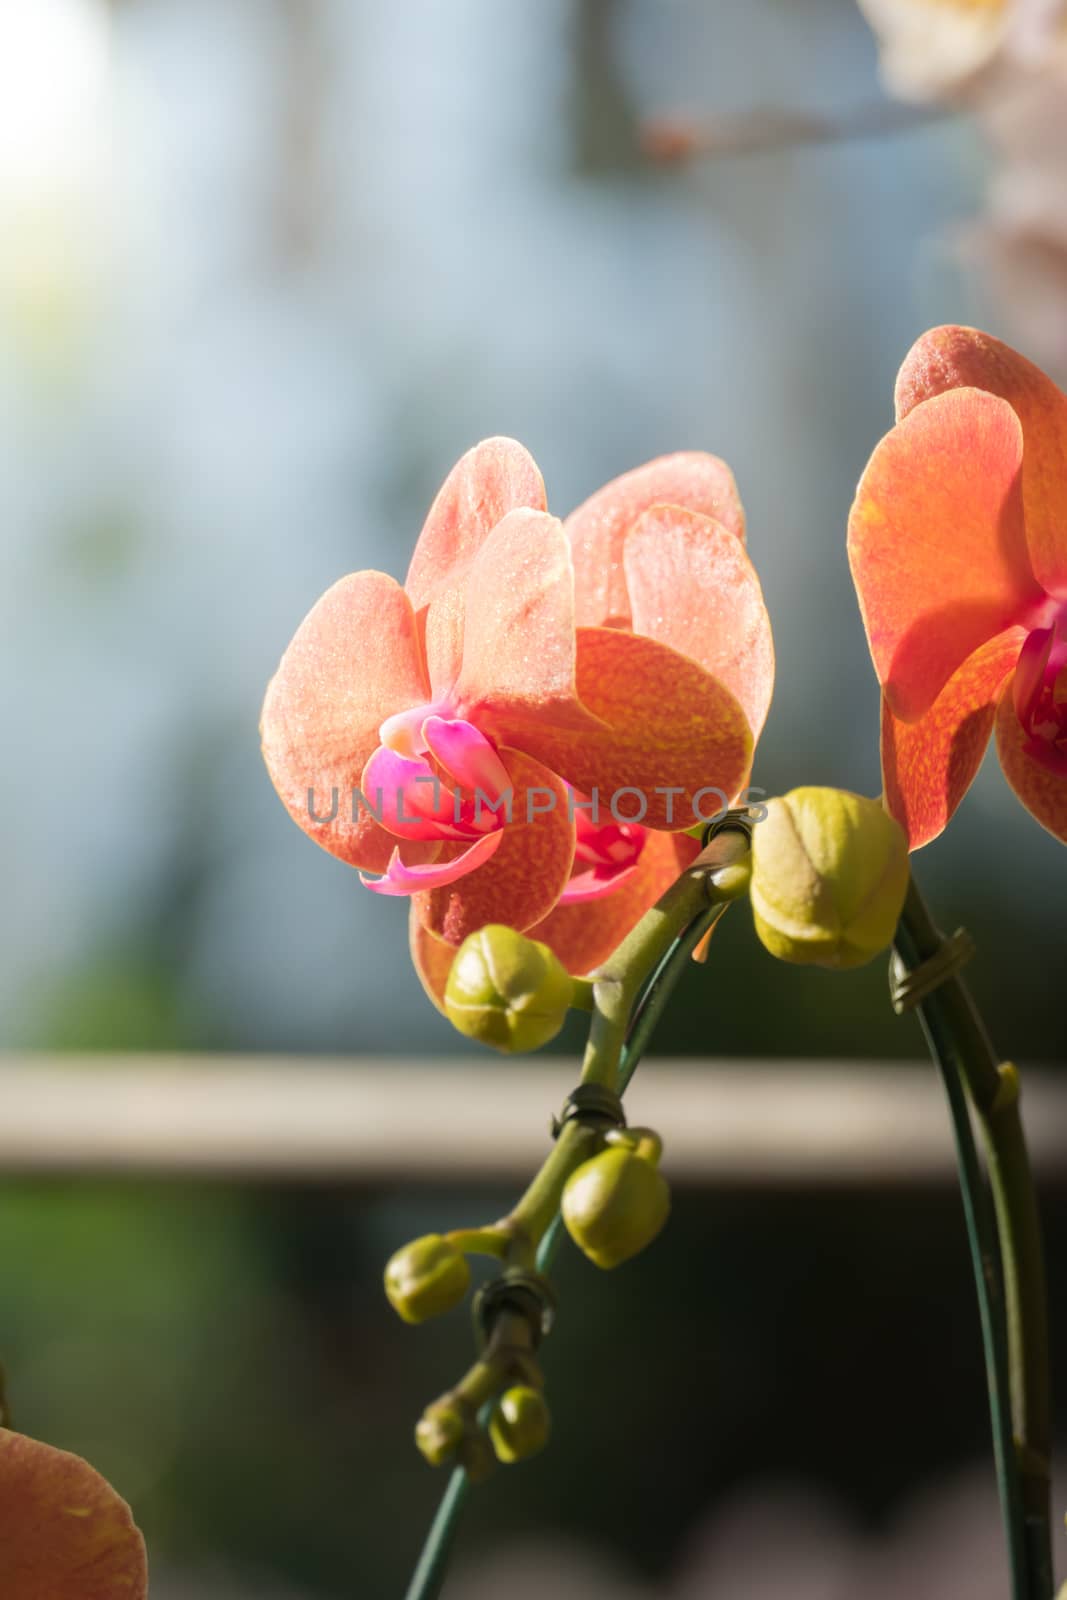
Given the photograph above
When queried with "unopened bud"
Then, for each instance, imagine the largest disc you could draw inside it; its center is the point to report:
(425, 1278)
(439, 1432)
(829, 876)
(519, 1425)
(617, 1201)
(506, 990)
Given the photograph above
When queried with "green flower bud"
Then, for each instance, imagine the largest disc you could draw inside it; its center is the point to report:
(617, 1202)
(439, 1432)
(426, 1277)
(829, 876)
(520, 1424)
(506, 990)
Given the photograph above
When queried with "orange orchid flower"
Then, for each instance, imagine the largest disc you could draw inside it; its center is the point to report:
(958, 545)
(552, 665)
(64, 1532)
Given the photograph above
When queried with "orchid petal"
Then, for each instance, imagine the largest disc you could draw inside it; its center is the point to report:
(936, 543)
(598, 529)
(950, 358)
(354, 661)
(400, 878)
(467, 756)
(693, 587)
(519, 638)
(584, 935)
(431, 957)
(595, 882)
(1038, 776)
(489, 481)
(668, 723)
(928, 766)
(65, 1534)
(528, 872)
(409, 798)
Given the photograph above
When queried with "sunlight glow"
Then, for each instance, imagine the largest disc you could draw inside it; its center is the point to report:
(53, 78)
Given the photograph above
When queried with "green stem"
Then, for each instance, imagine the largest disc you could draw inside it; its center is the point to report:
(480, 1241)
(1015, 1328)
(696, 901)
(718, 875)
(429, 1575)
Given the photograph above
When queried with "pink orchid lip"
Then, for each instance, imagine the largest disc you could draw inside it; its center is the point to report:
(610, 852)
(1039, 695)
(402, 732)
(467, 755)
(409, 799)
(399, 879)
(595, 884)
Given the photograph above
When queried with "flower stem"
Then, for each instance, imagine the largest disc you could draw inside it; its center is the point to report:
(660, 945)
(429, 1575)
(1014, 1319)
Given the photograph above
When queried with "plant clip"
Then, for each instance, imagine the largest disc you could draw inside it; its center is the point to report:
(594, 1105)
(526, 1293)
(740, 819)
(909, 989)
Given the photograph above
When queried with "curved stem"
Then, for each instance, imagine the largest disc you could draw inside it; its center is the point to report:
(661, 944)
(1014, 1321)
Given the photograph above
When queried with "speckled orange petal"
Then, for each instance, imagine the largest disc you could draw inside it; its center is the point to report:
(692, 479)
(693, 587)
(64, 1532)
(583, 935)
(483, 486)
(928, 766)
(525, 877)
(668, 724)
(432, 958)
(519, 640)
(936, 543)
(355, 660)
(1043, 792)
(949, 358)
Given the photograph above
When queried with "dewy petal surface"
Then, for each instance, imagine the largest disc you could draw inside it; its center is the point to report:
(354, 661)
(519, 638)
(64, 1532)
(494, 478)
(667, 723)
(525, 877)
(936, 543)
(598, 529)
(950, 358)
(928, 766)
(1042, 791)
(693, 587)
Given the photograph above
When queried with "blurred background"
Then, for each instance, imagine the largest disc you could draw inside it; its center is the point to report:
(267, 268)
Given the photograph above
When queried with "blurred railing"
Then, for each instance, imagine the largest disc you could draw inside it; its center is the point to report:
(371, 1121)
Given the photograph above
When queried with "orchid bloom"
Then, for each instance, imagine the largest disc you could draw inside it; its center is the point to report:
(64, 1532)
(958, 545)
(556, 665)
